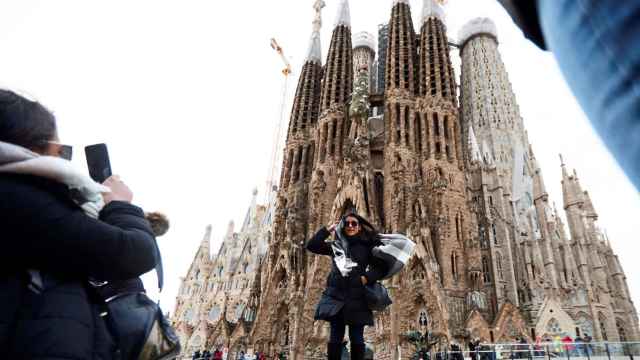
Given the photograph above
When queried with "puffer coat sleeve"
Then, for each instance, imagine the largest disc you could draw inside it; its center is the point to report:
(47, 231)
(317, 243)
(377, 269)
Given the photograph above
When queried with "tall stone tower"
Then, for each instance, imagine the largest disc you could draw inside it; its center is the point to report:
(282, 287)
(557, 281)
(485, 96)
(364, 55)
(383, 44)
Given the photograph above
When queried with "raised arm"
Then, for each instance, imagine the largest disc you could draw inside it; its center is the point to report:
(51, 233)
(317, 244)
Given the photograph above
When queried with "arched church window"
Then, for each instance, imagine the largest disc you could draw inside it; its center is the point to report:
(196, 342)
(188, 315)
(418, 131)
(446, 127)
(603, 328)
(484, 244)
(214, 313)
(495, 234)
(553, 327)
(406, 123)
(238, 312)
(398, 124)
(499, 265)
(285, 333)
(486, 270)
(454, 265)
(621, 330)
(585, 324)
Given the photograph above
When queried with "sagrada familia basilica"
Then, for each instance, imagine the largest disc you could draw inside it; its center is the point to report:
(449, 165)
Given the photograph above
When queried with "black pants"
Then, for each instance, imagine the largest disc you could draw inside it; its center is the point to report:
(356, 332)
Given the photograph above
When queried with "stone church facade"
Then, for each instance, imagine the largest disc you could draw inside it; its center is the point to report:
(450, 166)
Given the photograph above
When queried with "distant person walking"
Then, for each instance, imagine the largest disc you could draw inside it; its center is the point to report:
(217, 354)
(59, 229)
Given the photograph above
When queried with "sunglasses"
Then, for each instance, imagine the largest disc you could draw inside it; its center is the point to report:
(353, 224)
(64, 151)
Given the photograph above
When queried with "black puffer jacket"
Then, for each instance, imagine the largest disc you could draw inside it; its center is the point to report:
(43, 229)
(347, 293)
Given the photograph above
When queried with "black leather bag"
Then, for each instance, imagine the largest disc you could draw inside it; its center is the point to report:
(141, 330)
(377, 296)
(137, 323)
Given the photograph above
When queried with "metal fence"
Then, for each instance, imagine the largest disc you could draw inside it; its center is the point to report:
(541, 351)
(546, 351)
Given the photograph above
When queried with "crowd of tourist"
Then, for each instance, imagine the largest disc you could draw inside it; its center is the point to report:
(218, 354)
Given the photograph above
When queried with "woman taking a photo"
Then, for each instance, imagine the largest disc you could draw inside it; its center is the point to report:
(343, 303)
(59, 230)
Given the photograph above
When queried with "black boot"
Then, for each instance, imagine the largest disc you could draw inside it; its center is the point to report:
(357, 351)
(334, 351)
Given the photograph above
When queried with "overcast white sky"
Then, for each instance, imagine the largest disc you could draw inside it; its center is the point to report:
(186, 94)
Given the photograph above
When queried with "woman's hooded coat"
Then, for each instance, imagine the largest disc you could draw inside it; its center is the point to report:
(347, 293)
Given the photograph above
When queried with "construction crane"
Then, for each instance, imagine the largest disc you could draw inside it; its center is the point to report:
(272, 182)
(287, 69)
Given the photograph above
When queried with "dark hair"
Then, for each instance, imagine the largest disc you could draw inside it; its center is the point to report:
(366, 229)
(24, 122)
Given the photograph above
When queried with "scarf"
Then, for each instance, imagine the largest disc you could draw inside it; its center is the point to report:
(394, 249)
(85, 192)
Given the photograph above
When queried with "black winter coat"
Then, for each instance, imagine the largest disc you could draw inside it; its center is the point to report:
(347, 293)
(41, 228)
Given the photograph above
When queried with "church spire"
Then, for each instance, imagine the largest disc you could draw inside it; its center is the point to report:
(432, 8)
(401, 54)
(344, 14)
(306, 109)
(590, 211)
(205, 244)
(338, 76)
(488, 157)
(476, 154)
(570, 194)
(539, 188)
(436, 70)
(315, 50)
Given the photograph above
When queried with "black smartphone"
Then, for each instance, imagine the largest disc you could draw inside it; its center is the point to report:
(98, 162)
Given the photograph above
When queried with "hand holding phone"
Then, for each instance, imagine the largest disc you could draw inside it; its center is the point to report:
(119, 190)
(100, 171)
(98, 162)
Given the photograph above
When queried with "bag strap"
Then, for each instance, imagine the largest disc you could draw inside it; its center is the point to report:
(159, 268)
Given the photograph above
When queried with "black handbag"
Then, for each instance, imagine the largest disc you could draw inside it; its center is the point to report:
(141, 330)
(377, 296)
(137, 323)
